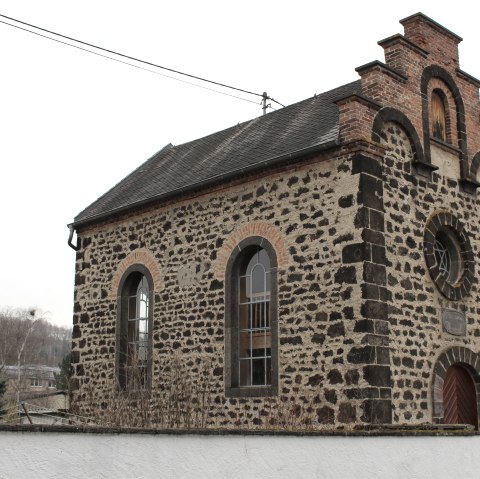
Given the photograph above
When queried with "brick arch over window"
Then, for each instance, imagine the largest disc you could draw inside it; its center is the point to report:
(260, 228)
(137, 257)
(435, 71)
(388, 114)
(455, 356)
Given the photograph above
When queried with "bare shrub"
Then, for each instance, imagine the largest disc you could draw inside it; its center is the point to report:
(183, 401)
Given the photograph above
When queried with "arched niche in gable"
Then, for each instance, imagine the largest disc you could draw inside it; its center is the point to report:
(393, 129)
(439, 90)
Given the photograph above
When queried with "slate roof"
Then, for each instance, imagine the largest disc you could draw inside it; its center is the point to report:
(301, 127)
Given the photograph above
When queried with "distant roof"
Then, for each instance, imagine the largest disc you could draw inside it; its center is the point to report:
(31, 370)
(291, 130)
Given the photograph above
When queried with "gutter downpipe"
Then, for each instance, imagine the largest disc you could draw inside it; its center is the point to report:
(71, 227)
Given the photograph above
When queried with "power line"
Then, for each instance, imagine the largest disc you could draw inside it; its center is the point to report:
(134, 59)
(126, 63)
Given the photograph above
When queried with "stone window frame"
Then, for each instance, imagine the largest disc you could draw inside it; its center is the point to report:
(455, 356)
(448, 224)
(121, 324)
(232, 273)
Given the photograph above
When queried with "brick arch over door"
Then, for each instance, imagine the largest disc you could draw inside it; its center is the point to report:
(435, 71)
(388, 114)
(138, 257)
(455, 356)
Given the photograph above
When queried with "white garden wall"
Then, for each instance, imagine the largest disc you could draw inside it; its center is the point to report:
(86, 455)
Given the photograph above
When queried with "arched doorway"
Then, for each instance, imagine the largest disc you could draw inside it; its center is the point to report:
(459, 397)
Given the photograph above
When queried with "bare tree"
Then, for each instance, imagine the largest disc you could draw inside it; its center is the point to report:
(27, 341)
(25, 334)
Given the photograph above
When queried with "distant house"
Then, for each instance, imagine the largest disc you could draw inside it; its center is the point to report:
(320, 258)
(33, 379)
(36, 386)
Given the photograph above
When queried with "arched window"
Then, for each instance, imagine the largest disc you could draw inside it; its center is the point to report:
(134, 330)
(438, 116)
(251, 320)
(255, 335)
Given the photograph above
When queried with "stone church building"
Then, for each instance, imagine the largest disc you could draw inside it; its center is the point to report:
(321, 259)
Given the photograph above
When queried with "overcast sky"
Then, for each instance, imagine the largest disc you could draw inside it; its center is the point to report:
(73, 124)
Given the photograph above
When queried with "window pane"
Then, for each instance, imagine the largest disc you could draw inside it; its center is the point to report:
(244, 289)
(245, 347)
(142, 326)
(244, 319)
(132, 307)
(258, 372)
(261, 340)
(264, 259)
(267, 283)
(437, 113)
(258, 281)
(245, 376)
(142, 352)
(256, 321)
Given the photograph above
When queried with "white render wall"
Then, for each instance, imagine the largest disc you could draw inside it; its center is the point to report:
(85, 455)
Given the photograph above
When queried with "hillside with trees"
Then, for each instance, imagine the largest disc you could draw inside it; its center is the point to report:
(27, 338)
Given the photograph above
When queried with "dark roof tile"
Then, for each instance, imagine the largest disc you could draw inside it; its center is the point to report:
(307, 124)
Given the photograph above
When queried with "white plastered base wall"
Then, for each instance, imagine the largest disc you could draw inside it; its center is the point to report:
(83, 455)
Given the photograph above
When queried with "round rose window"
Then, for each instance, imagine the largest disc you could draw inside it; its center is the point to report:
(449, 256)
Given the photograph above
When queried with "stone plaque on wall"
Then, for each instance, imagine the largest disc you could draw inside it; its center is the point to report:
(454, 322)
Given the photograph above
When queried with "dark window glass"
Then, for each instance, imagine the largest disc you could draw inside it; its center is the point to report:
(255, 339)
(438, 117)
(134, 332)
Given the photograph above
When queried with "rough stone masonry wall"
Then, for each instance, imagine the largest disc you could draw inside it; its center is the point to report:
(313, 208)
(416, 335)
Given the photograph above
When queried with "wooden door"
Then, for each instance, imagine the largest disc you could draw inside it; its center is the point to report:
(459, 397)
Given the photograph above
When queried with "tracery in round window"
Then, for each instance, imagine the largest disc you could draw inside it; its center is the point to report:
(448, 256)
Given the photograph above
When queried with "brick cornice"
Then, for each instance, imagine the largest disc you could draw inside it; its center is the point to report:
(400, 39)
(378, 65)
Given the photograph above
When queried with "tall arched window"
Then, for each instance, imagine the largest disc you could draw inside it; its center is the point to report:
(134, 330)
(251, 320)
(255, 334)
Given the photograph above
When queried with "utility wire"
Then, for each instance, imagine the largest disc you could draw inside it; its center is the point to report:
(126, 63)
(130, 58)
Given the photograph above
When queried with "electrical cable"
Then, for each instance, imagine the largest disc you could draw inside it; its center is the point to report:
(127, 63)
(129, 57)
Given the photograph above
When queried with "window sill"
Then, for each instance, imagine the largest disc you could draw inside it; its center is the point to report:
(446, 146)
(251, 392)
